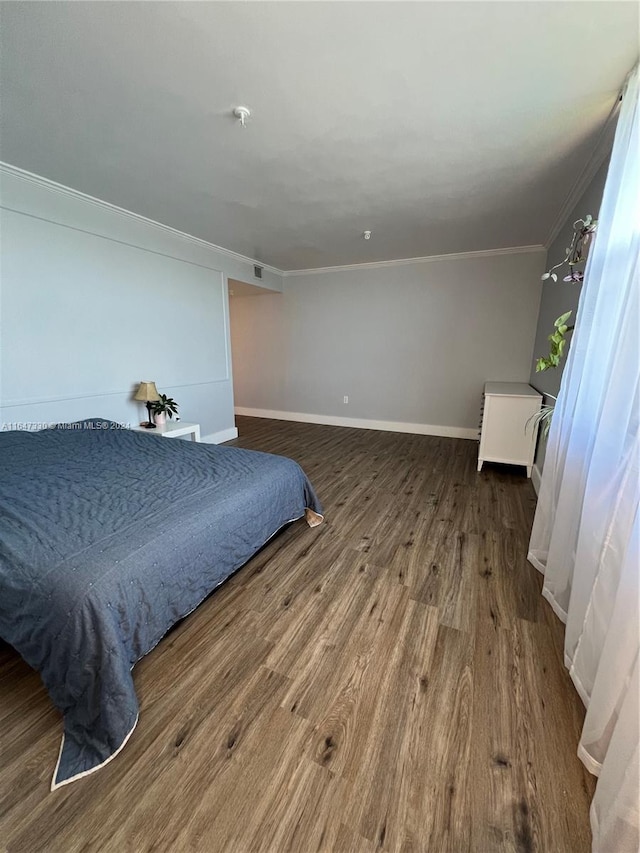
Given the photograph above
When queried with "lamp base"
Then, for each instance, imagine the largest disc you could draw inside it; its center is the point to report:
(149, 424)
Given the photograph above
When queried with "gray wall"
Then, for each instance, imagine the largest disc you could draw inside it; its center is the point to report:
(410, 343)
(559, 297)
(93, 300)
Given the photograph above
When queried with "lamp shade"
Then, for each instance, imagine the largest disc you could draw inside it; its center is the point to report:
(147, 392)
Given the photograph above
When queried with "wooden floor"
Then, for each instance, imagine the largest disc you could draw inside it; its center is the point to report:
(391, 680)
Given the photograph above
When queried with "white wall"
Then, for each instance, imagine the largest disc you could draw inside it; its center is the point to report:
(410, 344)
(94, 299)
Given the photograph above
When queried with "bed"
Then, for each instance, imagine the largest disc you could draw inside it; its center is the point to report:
(107, 538)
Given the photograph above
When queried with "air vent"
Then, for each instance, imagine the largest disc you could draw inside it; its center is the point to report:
(257, 272)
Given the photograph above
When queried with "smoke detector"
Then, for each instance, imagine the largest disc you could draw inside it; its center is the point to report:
(242, 114)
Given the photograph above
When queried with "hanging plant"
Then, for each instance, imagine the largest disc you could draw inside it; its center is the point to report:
(582, 231)
(558, 343)
(575, 254)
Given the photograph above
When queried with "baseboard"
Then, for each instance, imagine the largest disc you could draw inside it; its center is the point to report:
(220, 437)
(361, 423)
(536, 476)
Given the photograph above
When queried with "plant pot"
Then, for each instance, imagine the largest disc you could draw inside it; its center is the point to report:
(160, 419)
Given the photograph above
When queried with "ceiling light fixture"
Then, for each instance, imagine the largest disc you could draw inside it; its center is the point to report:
(242, 114)
(367, 235)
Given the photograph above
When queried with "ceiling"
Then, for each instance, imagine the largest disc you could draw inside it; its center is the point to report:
(440, 126)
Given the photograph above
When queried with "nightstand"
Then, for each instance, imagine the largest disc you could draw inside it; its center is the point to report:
(177, 429)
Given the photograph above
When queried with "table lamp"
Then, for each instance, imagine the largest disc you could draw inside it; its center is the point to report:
(148, 393)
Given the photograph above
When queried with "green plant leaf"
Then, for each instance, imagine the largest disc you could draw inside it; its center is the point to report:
(165, 404)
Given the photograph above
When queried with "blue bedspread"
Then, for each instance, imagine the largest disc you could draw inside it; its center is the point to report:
(107, 538)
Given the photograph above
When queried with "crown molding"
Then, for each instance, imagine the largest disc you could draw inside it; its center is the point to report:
(61, 189)
(601, 151)
(453, 256)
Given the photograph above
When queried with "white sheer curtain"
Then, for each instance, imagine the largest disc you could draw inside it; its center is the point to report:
(586, 533)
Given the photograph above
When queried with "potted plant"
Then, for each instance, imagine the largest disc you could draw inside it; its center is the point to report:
(163, 407)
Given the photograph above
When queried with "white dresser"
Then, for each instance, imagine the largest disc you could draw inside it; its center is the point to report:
(507, 433)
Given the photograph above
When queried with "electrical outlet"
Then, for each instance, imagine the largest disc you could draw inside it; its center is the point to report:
(345, 399)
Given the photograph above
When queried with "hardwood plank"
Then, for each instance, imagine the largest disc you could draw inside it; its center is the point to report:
(440, 794)
(388, 710)
(457, 601)
(350, 625)
(418, 562)
(239, 802)
(509, 587)
(226, 741)
(348, 841)
(301, 813)
(496, 824)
